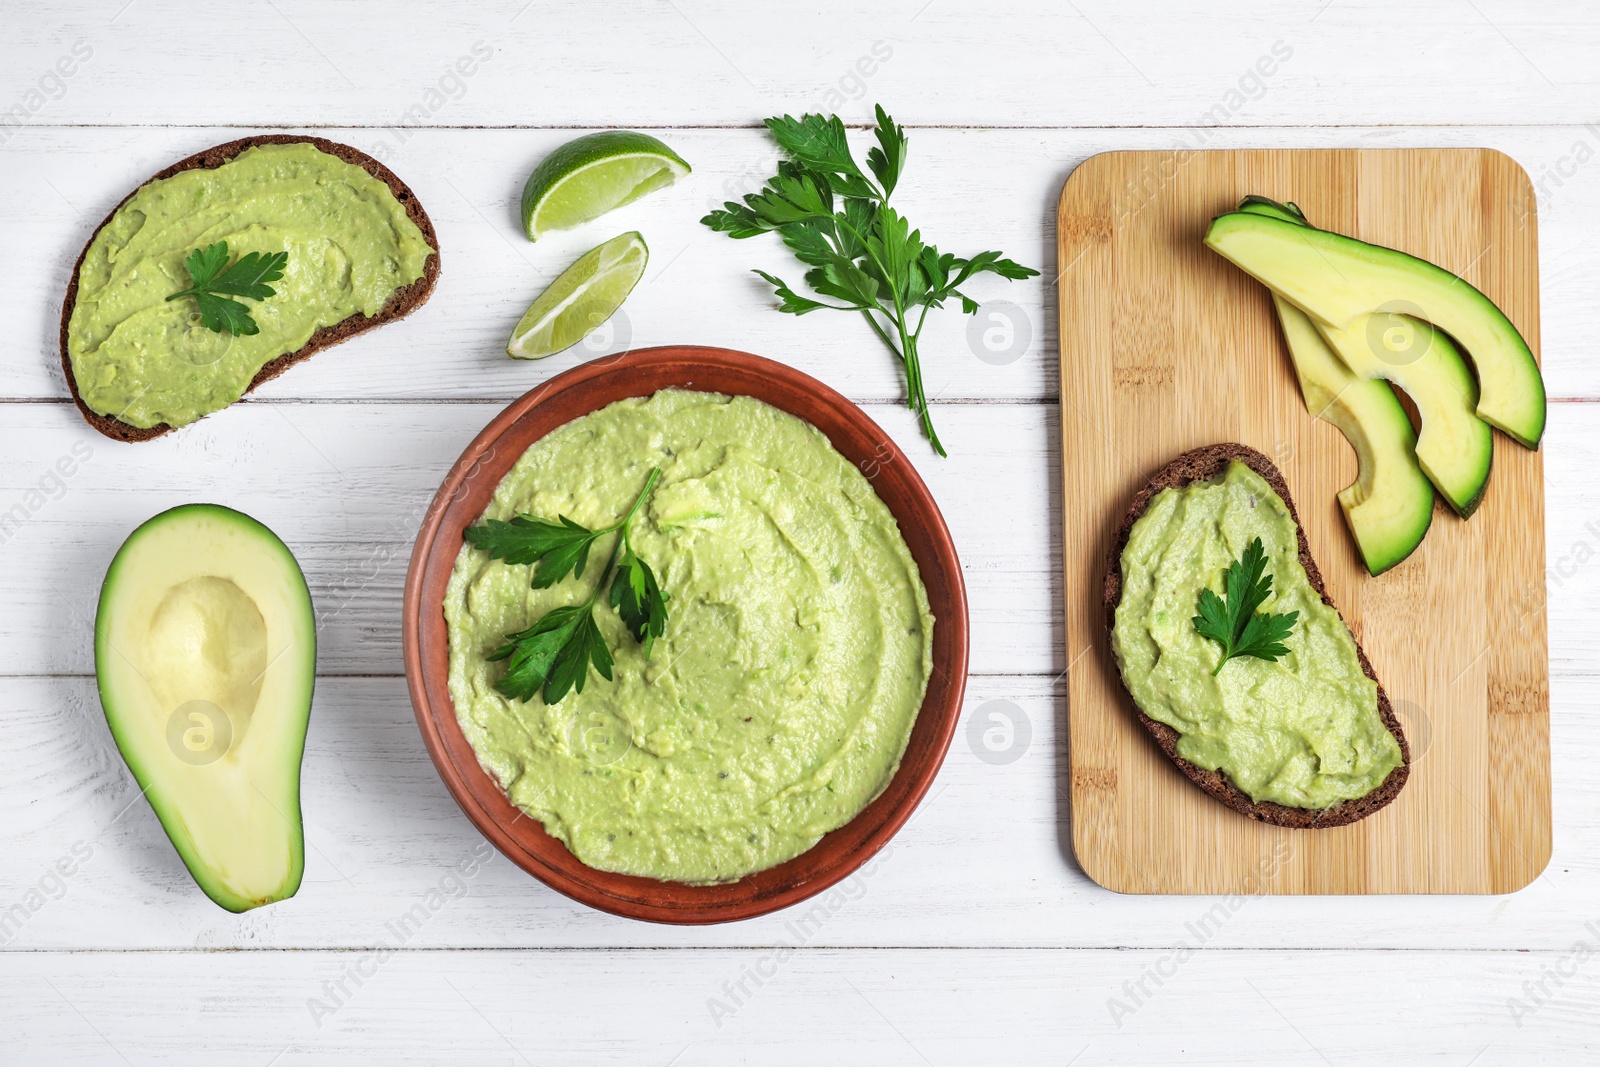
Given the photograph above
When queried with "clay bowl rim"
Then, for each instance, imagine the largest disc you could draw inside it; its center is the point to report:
(462, 497)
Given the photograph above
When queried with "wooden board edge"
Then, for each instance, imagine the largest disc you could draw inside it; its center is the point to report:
(1115, 878)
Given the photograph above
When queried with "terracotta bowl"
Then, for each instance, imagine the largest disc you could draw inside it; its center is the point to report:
(461, 501)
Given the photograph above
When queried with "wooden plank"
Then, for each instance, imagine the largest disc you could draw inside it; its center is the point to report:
(1277, 62)
(59, 182)
(382, 831)
(346, 485)
(725, 1007)
(1166, 347)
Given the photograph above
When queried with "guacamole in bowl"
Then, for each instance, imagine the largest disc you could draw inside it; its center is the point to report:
(781, 697)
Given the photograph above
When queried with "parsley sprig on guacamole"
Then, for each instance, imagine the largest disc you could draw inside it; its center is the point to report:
(556, 651)
(215, 281)
(346, 245)
(1236, 625)
(1303, 729)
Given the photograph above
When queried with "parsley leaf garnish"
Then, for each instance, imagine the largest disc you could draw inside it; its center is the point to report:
(1234, 624)
(557, 548)
(555, 653)
(638, 599)
(214, 282)
(862, 255)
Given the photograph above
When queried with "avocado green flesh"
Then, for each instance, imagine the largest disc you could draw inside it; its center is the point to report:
(1304, 730)
(205, 654)
(1261, 205)
(1455, 448)
(1338, 280)
(1389, 506)
(145, 360)
(781, 697)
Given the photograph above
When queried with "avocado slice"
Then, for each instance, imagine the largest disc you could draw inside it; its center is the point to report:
(1389, 506)
(1337, 280)
(1456, 448)
(205, 650)
(1286, 210)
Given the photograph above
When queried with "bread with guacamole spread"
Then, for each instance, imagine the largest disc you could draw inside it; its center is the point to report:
(1300, 735)
(361, 252)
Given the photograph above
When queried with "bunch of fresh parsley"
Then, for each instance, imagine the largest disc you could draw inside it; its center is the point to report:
(215, 281)
(861, 252)
(555, 653)
(1235, 625)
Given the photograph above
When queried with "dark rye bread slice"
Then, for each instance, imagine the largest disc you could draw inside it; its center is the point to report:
(1205, 464)
(401, 303)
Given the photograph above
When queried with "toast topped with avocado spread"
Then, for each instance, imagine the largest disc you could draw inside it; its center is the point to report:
(1293, 730)
(327, 241)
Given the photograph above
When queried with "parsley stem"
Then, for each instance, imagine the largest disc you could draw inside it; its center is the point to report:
(927, 416)
(918, 395)
(917, 400)
(622, 533)
(884, 337)
(605, 579)
(638, 502)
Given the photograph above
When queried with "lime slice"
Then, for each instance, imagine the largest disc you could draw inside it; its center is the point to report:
(585, 178)
(586, 295)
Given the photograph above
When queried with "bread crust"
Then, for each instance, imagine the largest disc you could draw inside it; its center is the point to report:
(401, 303)
(1205, 464)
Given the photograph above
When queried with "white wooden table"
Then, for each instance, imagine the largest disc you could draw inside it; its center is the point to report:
(975, 940)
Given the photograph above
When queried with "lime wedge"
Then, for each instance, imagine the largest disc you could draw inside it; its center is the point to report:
(586, 295)
(585, 178)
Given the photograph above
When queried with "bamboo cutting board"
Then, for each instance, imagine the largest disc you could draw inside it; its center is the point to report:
(1165, 346)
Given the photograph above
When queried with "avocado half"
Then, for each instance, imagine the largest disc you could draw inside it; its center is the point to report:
(205, 653)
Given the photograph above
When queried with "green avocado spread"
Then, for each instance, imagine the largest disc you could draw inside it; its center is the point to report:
(1303, 730)
(145, 361)
(781, 697)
